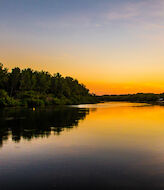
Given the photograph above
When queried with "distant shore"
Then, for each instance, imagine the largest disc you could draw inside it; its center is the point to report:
(150, 98)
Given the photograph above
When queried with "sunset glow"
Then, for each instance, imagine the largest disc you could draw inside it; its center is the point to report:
(112, 46)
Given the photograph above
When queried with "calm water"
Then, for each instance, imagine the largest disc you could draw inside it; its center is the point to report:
(102, 146)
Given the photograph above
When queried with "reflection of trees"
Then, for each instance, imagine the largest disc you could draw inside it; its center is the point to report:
(27, 124)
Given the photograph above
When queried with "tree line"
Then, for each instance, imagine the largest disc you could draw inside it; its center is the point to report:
(35, 88)
(38, 88)
(139, 97)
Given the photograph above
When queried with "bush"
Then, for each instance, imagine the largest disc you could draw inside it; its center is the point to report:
(3, 94)
(33, 102)
(5, 100)
(28, 94)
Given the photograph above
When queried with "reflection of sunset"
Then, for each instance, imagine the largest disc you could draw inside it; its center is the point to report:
(115, 124)
(113, 137)
(82, 94)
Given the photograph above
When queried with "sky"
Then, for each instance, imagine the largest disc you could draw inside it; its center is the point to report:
(112, 46)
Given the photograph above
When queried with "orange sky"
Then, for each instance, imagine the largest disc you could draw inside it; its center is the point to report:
(112, 47)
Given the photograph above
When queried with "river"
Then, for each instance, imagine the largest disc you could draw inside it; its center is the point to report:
(115, 145)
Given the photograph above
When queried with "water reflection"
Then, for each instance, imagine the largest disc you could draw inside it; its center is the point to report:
(28, 124)
(117, 146)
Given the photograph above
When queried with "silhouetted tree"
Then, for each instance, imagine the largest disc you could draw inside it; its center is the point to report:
(14, 80)
(3, 77)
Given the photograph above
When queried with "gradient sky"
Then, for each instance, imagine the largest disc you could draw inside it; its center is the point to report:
(112, 46)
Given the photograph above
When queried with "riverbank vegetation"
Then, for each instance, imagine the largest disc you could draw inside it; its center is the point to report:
(139, 97)
(39, 88)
